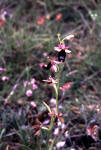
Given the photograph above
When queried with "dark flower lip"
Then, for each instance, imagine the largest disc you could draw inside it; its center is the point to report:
(61, 56)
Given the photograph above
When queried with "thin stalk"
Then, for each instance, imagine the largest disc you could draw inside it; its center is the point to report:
(52, 144)
(57, 88)
(49, 133)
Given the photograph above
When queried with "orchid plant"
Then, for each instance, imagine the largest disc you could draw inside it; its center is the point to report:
(56, 66)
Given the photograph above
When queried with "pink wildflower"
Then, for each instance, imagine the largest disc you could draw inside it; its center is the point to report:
(20, 101)
(58, 16)
(2, 69)
(29, 93)
(25, 83)
(44, 54)
(66, 86)
(2, 18)
(41, 65)
(33, 104)
(34, 86)
(41, 20)
(4, 78)
(32, 81)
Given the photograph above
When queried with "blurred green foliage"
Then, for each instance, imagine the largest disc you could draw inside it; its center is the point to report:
(22, 44)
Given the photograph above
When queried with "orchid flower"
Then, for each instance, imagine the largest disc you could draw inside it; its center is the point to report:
(62, 47)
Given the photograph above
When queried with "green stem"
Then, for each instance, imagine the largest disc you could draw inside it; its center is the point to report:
(57, 102)
(57, 88)
(52, 144)
(49, 132)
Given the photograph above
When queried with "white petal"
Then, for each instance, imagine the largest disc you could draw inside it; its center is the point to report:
(60, 144)
(53, 101)
(67, 51)
(56, 131)
(57, 49)
(68, 37)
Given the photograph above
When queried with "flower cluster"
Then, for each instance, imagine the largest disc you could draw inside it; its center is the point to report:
(42, 19)
(52, 65)
(65, 86)
(31, 85)
(3, 78)
(56, 115)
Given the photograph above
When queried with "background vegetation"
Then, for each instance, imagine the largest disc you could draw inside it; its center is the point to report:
(28, 32)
